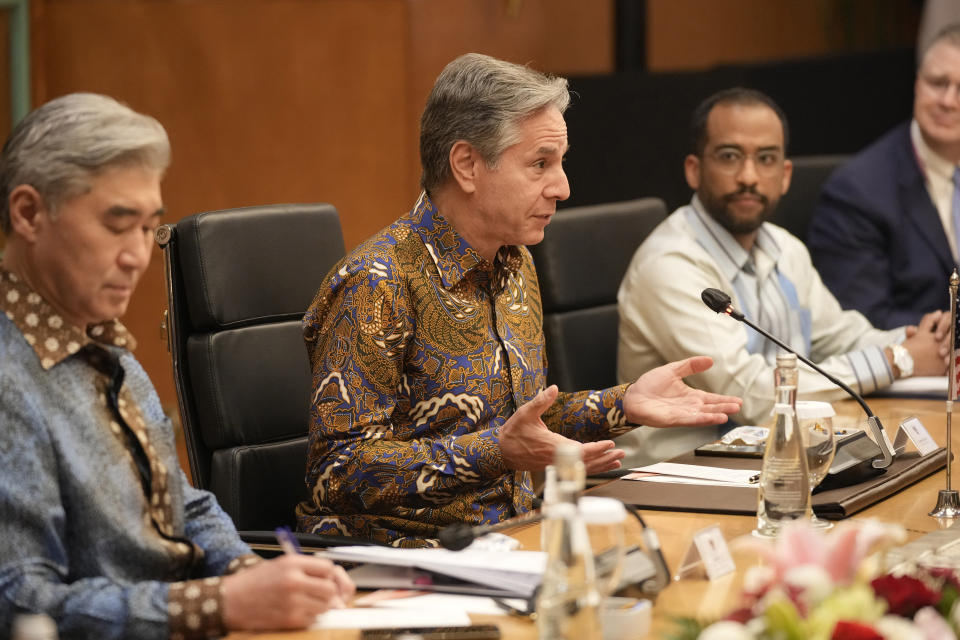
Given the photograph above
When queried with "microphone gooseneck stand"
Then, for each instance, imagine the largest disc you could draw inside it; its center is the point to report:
(720, 302)
(948, 500)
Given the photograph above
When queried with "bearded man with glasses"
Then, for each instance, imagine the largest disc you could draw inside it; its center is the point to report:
(722, 239)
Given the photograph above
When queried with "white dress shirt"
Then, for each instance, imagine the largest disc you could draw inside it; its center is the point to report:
(938, 174)
(663, 319)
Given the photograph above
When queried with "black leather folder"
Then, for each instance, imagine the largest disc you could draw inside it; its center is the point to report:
(831, 503)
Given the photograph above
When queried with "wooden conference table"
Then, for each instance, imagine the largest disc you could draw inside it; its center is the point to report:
(699, 597)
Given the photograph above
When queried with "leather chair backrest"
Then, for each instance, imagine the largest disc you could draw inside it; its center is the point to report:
(580, 263)
(239, 282)
(796, 206)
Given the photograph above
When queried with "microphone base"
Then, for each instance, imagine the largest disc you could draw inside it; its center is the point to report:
(853, 462)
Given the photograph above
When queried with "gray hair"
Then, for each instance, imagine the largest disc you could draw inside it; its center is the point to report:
(61, 145)
(949, 34)
(482, 101)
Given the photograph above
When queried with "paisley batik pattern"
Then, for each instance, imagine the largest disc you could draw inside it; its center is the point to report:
(420, 351)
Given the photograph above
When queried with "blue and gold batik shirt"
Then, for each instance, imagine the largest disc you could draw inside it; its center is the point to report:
(420, 350)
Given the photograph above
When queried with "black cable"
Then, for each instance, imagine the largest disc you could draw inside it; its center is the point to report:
(652, 543)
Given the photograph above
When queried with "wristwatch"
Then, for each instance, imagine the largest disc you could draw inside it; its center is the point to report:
(903, 360)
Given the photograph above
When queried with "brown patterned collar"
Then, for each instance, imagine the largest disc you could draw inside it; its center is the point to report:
(45, 330)
(450, 251)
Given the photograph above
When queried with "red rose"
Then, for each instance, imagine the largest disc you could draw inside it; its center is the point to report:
(741, 615)
(904, 594)
(849, 630)
(945, 576)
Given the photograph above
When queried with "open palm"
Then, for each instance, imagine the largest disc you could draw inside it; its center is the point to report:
(660, 397)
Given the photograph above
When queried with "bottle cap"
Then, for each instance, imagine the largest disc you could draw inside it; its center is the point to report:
(786, 360)
(596, 510)
(811, 409)
(626, 618)
(566, 452)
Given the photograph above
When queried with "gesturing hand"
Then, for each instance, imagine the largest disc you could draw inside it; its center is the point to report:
(527, 444)
(284, 593)
(660, 398)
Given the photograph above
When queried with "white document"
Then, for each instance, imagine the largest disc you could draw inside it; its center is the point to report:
(383, 576)
(382, 618)
(516, 572)
(696, 472)
(641, 476)
(917, 387)
(469, 604)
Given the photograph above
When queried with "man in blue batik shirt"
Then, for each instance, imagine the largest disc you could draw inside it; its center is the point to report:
(101, 529)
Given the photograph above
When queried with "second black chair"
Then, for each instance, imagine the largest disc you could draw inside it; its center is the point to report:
(580, 263)
(238, 284)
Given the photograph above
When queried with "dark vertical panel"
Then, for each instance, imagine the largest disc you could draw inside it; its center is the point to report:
(631, 35)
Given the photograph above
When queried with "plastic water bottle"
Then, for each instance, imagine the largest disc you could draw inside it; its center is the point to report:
(549, 498)
(568, 605)
(784, 481)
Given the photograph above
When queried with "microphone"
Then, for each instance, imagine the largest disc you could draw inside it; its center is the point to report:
(647, 569)
(459, 535)
(857, 450)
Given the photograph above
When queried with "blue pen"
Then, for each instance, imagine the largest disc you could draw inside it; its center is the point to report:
(287, 541)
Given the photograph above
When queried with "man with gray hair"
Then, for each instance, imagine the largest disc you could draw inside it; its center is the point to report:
(426, 341)
(885, 235)
(101, 529)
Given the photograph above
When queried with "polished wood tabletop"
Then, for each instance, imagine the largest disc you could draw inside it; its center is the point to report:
(698, 597)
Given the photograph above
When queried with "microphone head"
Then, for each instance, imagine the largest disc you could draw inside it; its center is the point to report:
(457, 536)
(715, 299)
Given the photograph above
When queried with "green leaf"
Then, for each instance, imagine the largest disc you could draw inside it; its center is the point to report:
(783, 620)
(686, 629)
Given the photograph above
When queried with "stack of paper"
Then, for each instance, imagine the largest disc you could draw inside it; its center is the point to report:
(677, 473)
(493, 573)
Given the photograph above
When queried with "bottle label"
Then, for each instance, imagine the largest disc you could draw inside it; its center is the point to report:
(785, 488)
(781, 408)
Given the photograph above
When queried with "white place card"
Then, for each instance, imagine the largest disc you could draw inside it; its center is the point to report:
(918, 435)
(709, 548)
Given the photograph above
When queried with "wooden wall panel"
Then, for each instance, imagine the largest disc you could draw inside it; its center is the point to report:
(281, 101)
(291, 100)
(566, 37)
(699, 34)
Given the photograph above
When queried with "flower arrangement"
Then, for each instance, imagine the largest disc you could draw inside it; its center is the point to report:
(822, 586)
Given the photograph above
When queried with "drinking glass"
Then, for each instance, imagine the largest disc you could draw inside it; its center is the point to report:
(604, 519)
(819, 440)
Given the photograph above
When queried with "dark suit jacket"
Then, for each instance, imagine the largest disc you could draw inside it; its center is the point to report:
(876, 237)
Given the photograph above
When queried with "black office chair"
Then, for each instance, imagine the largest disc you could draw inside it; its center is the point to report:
(796, 207)
(580, 263)
(238, 284)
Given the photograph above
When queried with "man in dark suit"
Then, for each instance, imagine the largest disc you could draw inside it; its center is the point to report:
(884, 236)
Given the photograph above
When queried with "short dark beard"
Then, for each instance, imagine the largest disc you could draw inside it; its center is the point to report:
(719, 211)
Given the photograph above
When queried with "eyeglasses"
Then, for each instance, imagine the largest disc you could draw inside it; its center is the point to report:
(731, 161)
(939, 85)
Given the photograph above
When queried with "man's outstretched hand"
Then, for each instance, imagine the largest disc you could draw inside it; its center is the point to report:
(527, 444)
(660, 398)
